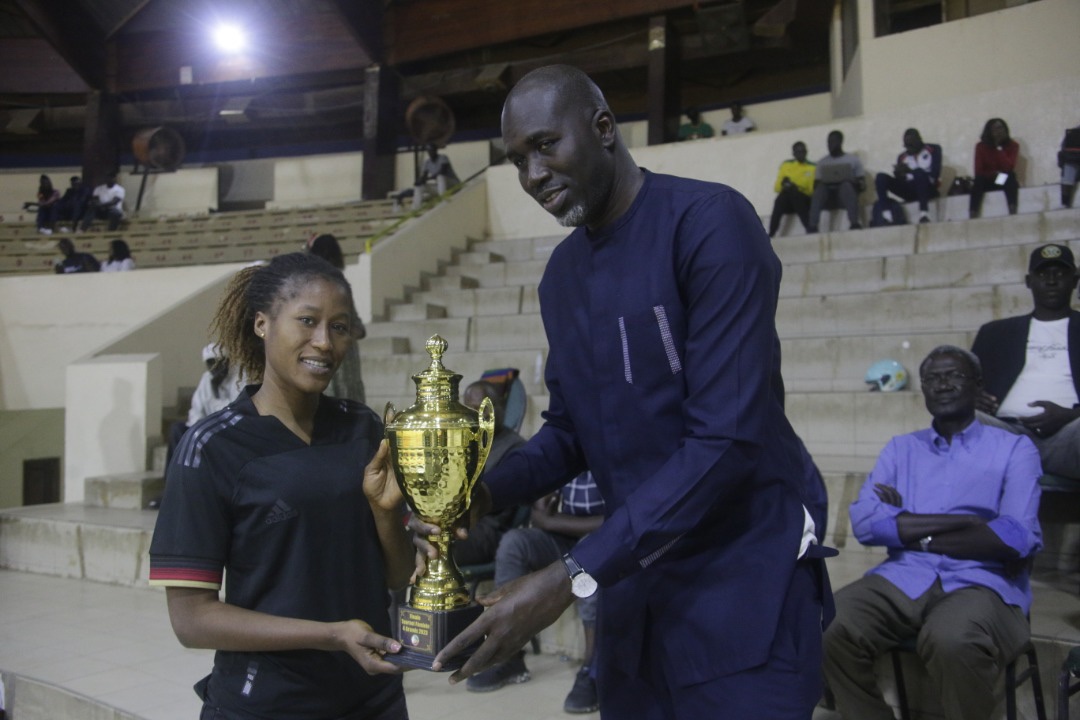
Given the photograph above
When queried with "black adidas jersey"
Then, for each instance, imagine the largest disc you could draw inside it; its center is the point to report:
(291, 530)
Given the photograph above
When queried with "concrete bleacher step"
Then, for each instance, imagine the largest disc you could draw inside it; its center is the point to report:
(518, 249)
(126, 491)
(416, 332)
(78, 541)
(854, 424)
(416, 311)
(446, 282)
(391, 374)
(967, 267)
(1032, 200)
(1051, 226)
(822, 364)
(205, 239)
(477, 257)
(470, 302)
(500, 274)
(387, 345)
(899, 312)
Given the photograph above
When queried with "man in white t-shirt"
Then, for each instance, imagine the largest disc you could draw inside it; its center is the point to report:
(739, 122)
(1031, 364)
(106, 203)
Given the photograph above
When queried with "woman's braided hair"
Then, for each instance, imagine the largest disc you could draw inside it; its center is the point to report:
(260, 288)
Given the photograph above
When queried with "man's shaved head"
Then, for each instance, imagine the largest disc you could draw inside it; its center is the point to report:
(569, 88)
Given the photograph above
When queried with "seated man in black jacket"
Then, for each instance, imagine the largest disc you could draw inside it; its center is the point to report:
(1031, 364)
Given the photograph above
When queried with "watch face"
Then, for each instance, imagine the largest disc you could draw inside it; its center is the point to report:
(583, 585)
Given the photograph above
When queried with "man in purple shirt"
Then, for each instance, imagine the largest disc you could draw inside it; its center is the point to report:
(956, 505)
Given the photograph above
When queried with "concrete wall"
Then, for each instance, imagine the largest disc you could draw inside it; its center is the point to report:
(113, 413)
(317, 179)
(1030, 43)
(50, 321)
(26, 435)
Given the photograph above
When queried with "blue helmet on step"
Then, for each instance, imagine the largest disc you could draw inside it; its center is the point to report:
(887, 376)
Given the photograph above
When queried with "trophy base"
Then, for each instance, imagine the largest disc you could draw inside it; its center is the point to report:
(424, 633)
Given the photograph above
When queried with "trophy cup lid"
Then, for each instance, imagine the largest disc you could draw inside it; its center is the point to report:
(436, 383)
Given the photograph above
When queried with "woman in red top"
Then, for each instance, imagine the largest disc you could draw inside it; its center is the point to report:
(995, 166)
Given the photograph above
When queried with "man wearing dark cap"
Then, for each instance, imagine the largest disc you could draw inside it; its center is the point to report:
(1031, 364)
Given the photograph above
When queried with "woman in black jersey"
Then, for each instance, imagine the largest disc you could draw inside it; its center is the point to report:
(286, 497)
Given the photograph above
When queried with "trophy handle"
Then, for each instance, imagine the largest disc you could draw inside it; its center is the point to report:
(485, 436)
(389, 413)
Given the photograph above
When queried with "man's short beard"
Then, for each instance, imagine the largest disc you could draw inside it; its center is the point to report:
(573, 217)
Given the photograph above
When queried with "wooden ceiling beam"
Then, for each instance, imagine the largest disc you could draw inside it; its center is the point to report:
(32, 66)
(364, 18)
(126, 19)
(422, 30)
(279, 47)
(72, 31)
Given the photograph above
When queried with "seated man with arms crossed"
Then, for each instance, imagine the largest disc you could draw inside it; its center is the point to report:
(1031, 364)
(956, 506)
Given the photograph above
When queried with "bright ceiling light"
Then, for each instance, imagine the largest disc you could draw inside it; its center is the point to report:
(230, 38)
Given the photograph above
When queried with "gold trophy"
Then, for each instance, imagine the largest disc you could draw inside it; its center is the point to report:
(438, 448)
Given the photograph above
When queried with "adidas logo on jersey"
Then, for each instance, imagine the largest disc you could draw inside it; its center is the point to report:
(281, 512)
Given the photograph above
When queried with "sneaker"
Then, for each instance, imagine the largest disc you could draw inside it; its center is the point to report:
(887, 215)
(65, 229)
(45, 231)
(512, 671)
(924, 218)
(582, 697)
(856, 226)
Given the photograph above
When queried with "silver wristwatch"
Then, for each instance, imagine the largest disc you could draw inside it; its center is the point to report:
(582, 583)
(925, 543)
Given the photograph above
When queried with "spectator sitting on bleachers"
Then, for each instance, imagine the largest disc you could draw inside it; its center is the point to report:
(106, 203)
(1031, 364)
(956, 506)
(838, 179)
(479, 547)
(696, 129)
(558, 522)
(739, 123)
(794, 185)
(46, 204)
(119, 257)
(348, 381)
(74, 262)
(1069, 162)
(70, 207)
(436, 168)
(995, 167)
(915, 176)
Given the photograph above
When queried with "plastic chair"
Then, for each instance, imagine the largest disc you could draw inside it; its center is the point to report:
(1066, 687)
(514, 393)
(1013, 680)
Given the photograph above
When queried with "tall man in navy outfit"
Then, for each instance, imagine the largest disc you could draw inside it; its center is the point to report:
(956, 505)
(1031, 364)
(664, 381)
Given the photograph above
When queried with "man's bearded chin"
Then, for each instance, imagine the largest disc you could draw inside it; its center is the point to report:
(572, 217)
